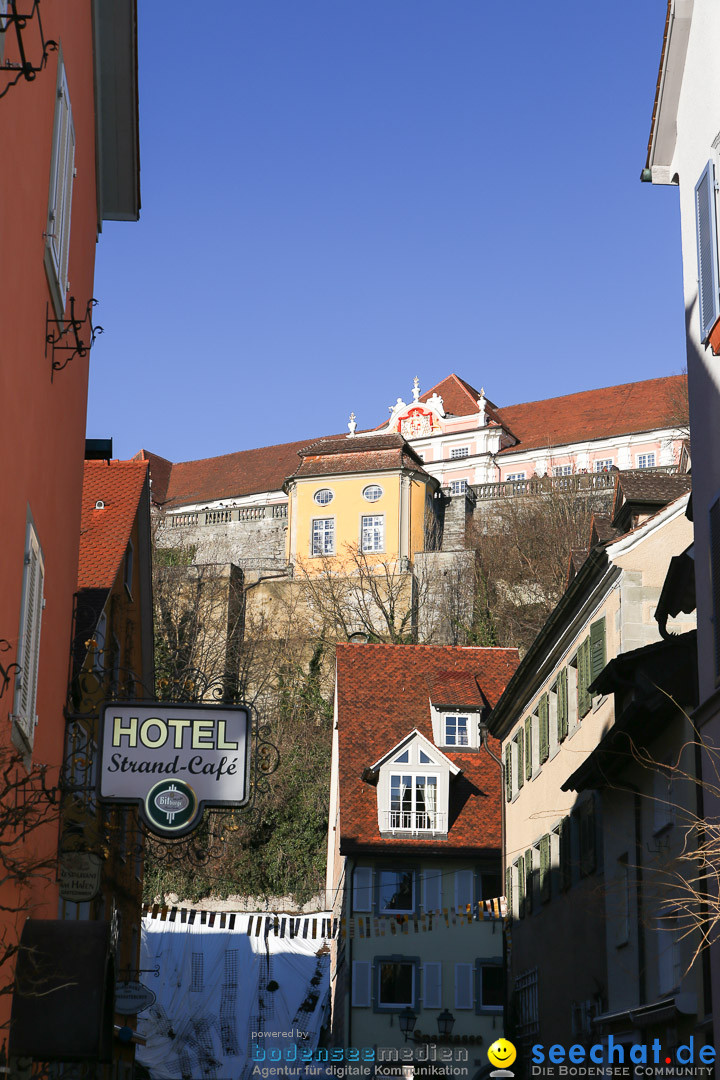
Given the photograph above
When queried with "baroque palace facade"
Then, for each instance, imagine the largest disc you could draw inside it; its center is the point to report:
(449, 449)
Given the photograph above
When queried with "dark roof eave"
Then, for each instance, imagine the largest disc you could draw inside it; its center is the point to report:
(394, 848)
(591, 569)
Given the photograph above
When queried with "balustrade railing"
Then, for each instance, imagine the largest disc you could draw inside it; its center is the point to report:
(415, 820)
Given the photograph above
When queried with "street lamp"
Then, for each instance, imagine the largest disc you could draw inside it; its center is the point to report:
(407, 1020)
(445, 1022)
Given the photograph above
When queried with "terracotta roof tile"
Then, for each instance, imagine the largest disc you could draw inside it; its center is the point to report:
(376, 453)
(104, 533)
(598, 414)
(160, 469)
(383, 694)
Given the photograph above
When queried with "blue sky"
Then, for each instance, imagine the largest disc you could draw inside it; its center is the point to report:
(341, 194)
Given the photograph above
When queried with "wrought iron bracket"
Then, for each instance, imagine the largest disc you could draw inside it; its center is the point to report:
(23, 68)
(6, 672)
(67, 338)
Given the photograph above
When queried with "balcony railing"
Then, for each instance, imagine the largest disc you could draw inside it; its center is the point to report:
(549, 485)
(224, 515)
(415, 821)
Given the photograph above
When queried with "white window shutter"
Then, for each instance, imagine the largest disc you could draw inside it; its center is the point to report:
(432, 890)
(29, 638)
(61, 185)
(432, 985)
(706, 224)
(361, 984)
(362, 888)
(463, 889)
(463, 986)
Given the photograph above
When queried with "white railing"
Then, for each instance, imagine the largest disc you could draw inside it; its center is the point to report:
(415, 821)
(225, 515)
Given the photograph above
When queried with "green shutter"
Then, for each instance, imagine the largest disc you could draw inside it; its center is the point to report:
(508, 773)
(587, 837)
(545, 868)
(562, 704)
(544, 720)
(528, 881)
(520, 769)
(528, 748)
(508, 892)
(597, 648)
(520, 864)
(584, 699)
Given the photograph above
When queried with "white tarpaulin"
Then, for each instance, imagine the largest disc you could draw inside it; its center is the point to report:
(244, 980)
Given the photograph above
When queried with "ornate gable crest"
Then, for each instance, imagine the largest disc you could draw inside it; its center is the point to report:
(418, 418)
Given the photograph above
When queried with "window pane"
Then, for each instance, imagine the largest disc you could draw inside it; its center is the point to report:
(396, 890)
(492, 987)
(396, 984)
(373, 532)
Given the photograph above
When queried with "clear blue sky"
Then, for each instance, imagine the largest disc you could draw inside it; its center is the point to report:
(340, 194)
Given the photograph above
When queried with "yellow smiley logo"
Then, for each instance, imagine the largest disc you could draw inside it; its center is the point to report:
(502, 1053)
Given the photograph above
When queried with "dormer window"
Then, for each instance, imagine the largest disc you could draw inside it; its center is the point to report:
(456, 729)
(413, 788)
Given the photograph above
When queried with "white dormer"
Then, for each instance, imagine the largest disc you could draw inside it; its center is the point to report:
(456, 728)
(413, 788)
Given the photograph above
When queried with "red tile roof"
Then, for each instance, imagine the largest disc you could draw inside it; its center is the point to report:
(598, 414)
(592, 414)
(383, 694)
(104, 533)
(372, 453)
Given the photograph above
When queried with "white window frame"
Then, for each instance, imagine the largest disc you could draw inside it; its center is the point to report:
(458, 487)
(324, 496)
(369, 493)
(415, 815)
(372, 533)
(28, 656)
(603, 464)
(396, 911)
(641, 463)
(482, 1006)
(458, 452)
(562, 470)
(447, 736)
(516, 476)
(322, 534)
(62, 171)
(399, 961)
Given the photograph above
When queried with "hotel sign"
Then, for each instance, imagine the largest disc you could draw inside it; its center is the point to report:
(174, 760)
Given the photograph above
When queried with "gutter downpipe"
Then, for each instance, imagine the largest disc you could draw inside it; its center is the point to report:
(637, 816)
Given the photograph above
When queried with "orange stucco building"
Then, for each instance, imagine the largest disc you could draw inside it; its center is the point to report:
(69, 147)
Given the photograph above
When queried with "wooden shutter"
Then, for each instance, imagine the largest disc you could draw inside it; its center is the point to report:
(432, 890)
(508, 892)
(528, 748)
(562, 705)
(544, 722)
(545, 867)
(508, 773)
(432, 985)
(587, 837)
(362, 984)
(29, 639)
(584, 699)
(520, 766)
(529, 885)
(706, 226)
(463, 889)
(597, 648)
(463, 986)
(61, 186)
(520, 864)
(362, 888)
(715, 579)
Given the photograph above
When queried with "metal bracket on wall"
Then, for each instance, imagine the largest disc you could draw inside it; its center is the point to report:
(22, 67)
(68, 338)
(6, 672)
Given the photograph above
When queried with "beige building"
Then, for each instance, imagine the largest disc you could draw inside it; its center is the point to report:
(551, 718)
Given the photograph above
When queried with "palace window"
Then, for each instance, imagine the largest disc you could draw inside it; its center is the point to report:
(323, 496)
(562, 470)
(515, 476)
(645, 461)
(603, 465)
(460, 452)
(458, 487)
(373, 533)
(372, 492)
(323, 536)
